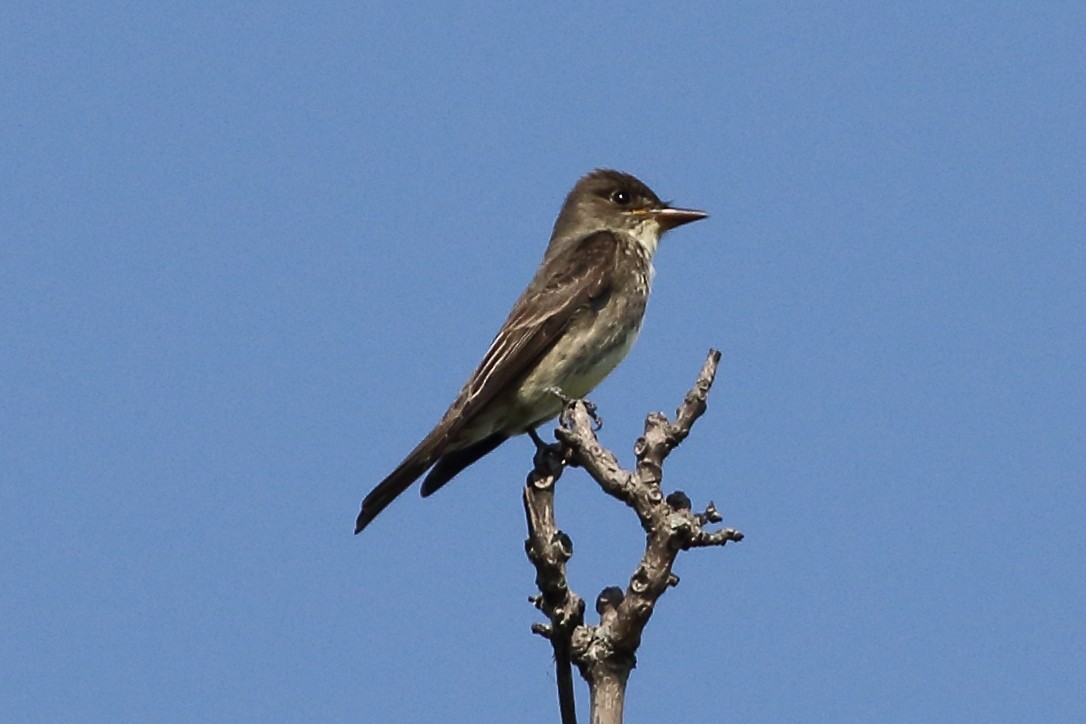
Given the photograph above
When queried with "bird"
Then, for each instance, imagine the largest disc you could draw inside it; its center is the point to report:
(572, 325)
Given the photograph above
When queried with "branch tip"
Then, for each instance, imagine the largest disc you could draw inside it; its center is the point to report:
(679, 500)
(610, 598)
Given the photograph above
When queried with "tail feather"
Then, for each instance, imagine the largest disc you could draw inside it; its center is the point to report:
(452, 463)
(429, 451)
(397, 481)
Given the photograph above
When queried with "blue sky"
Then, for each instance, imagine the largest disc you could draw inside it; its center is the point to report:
(251, 251)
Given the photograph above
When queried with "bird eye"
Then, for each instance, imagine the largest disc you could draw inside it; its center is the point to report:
(622, 198)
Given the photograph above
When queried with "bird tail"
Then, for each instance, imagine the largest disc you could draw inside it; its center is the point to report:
(452, 463)
(407, 472)
(429, 451)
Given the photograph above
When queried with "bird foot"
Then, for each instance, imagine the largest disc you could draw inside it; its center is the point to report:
(589, 406)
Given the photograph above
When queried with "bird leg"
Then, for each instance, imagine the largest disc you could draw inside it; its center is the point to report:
(557, 392)
(589, 406)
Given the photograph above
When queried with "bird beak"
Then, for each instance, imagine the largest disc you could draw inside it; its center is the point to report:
(669, 218)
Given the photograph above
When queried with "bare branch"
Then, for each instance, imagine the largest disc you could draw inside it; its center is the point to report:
(549, 548)
(606, 653)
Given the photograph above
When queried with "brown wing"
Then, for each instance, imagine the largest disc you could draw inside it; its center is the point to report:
(563, 286)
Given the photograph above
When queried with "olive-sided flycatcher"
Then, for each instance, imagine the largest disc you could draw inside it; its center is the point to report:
(574, 323)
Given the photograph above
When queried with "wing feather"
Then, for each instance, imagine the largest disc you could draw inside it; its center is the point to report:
(565, 285)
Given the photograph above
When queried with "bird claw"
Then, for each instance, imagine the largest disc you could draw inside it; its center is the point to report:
(589, 406)
(593, 412)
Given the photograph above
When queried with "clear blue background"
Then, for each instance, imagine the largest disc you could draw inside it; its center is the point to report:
(250, 252)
